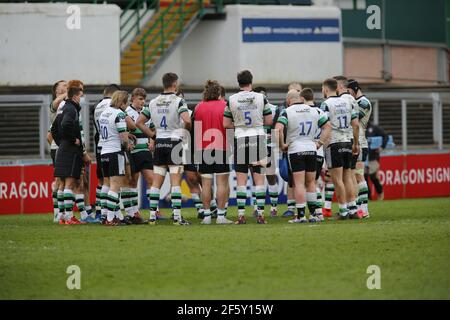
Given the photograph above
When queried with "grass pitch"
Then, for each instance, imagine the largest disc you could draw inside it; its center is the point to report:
(408, 239)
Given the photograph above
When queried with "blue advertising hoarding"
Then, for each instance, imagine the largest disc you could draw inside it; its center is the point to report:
(290, 30)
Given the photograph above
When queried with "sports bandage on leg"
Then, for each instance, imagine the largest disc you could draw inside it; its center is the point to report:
(359, 171)
(160, 170)
(176, 169)
(207, 175)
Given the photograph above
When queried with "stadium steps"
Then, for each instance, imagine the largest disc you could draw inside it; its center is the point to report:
(159, 35)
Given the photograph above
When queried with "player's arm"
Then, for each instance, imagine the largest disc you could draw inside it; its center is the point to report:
(186, 119)
(140, 123)
(355, 126)
(57, 101)
(121, 126)
(131, 126)
(228, 117)
(267, 113)
(282, 121)
(49, 137)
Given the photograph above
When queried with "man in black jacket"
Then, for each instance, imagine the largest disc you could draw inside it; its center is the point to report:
(373, 131)
(71, 153)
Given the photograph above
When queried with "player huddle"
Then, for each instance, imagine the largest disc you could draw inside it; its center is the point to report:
(244, 133)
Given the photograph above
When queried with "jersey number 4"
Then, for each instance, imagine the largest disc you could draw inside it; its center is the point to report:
(163, 123)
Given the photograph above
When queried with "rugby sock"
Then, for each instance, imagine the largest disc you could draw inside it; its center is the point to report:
(68, 203)
(55, 204)
(221, 212)
(88, 209)
(363, 195)
(153, 198)
(319, 201)
(134, 199)
(300, 209)
(273, 194)
(254, 199)
(260, 199)
(197, 202)
(112, 204)
(60, 197)
(329, 192)
(79, 199)
(352, 207)
(213, 206)
(125, 197)
(291, 205)
(311, 200)
(207, 213)
(343, 211)
(176, 202)
(98, 198)
(104, 203)
(241, 198)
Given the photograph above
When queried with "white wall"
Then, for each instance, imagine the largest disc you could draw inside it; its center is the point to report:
(215, 50)
(37, 48)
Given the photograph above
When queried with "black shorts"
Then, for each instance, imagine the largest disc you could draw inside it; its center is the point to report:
(248, 151)
(68, 162)
(168, 152)
(98, 158)
(214, 161)
(363, 153)
(141, 160)
(53, 155)
(319, 163)
(303, 161)
(191, 167)
(113, 164)
(339, 155)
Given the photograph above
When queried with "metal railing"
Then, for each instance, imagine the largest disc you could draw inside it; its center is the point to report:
(167, 28)
(130, 18)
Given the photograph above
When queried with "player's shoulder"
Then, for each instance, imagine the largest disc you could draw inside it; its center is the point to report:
(363, 101)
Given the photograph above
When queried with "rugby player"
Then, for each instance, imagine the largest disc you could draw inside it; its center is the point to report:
(351, 189)
(71, 154)
(141, 159)
(165, 111)
(307, 97)
(271, 166)
(364, 112)
(114, 141)
(59, 93)
(290, 191)
(302, 122)
(102, 189)
(338, 154)
(247, 112)
(211, 141)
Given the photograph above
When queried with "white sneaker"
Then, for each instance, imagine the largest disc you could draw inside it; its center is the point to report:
(206, 220)
(297, 220)
(223, 220)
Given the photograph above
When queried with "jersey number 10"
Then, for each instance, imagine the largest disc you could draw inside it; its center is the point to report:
(104, 132)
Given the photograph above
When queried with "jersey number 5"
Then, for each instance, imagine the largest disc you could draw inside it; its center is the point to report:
(248, 120)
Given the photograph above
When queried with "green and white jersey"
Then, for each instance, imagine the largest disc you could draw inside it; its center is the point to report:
(302, 122)
(164, 111)
(142, 139)
(247, 110)
(112, 123)
(340, 113)
(365, 109)
(273, 110)
(99, 108)
(352, 101)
